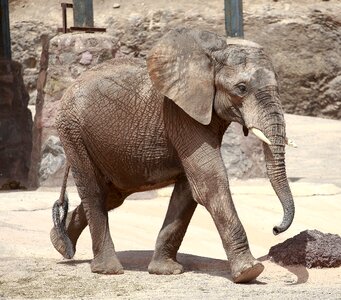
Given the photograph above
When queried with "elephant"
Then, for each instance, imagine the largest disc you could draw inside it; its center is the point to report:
(130, 125)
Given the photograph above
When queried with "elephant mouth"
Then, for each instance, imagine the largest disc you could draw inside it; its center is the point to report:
(259, 134)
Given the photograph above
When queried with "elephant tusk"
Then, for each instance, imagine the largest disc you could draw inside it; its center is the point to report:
(260, 135)
(290, 143)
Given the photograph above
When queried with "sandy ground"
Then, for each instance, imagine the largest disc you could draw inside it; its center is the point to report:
(31, 268)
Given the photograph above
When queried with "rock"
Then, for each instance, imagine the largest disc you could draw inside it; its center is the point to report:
(86, 58)
(12, 185)
(26, 48)
(53, 158)
(310, 248)
(307, 58)
(116, 5)
(15, 125)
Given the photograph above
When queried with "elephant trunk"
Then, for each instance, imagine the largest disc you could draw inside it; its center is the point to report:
(274, 130)
(275, 163)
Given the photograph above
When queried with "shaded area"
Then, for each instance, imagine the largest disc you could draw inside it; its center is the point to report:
(300, 272)
(138, 260)
(15, 126)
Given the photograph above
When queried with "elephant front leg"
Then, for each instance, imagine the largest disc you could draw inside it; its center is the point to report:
(210, 187)
(179, 214)
(244, 267)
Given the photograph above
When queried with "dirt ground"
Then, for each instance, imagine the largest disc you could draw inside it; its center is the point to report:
(31, 269)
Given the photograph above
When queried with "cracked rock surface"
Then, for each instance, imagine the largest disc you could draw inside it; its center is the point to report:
(310, 248)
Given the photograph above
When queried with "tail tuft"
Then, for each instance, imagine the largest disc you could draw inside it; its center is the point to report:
(59, 214)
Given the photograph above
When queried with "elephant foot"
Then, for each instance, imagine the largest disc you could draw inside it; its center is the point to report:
(62, 244)
(165, 267)
(246, 269)
(106, 264)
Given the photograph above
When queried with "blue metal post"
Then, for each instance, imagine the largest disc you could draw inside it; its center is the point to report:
(234, 18)
(83, 13)
(5, 39)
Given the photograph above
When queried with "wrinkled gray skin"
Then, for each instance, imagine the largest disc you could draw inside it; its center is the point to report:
(127, 127)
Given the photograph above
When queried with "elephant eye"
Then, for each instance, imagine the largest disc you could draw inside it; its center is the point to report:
(241, 88)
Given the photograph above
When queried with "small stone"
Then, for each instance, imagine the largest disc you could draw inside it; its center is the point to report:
(86, 58)
(116, 5)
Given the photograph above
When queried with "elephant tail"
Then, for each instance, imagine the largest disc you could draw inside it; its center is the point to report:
(59, 237)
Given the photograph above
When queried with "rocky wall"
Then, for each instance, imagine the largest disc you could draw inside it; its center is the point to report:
(27, 47)
(15, 127)
(305, 48)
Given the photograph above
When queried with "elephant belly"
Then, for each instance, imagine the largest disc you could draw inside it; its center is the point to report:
(131, 169)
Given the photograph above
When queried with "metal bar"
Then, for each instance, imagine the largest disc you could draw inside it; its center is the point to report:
(64, 17)
(234, 18)
(5, 37)
(83, 13)
(88, 29)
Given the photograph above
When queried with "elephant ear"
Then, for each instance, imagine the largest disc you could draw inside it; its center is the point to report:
(181, 70)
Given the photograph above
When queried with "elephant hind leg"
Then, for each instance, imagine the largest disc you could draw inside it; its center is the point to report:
(179, 214)
(76, 220)
(93, 190)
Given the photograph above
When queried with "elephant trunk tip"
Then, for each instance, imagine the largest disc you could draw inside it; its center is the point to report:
(280, 228)
(277, 230)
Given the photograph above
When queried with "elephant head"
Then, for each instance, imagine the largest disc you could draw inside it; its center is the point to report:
(206, 74)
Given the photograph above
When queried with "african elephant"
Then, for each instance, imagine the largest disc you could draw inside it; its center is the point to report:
(129, 126)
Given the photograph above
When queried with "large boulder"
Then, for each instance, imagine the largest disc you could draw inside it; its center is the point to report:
(310, 248)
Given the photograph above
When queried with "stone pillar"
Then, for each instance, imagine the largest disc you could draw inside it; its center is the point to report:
(66, 57)
(15, 127)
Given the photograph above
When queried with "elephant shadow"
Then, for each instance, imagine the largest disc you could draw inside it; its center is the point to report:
(138, 260)
(300, 272)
